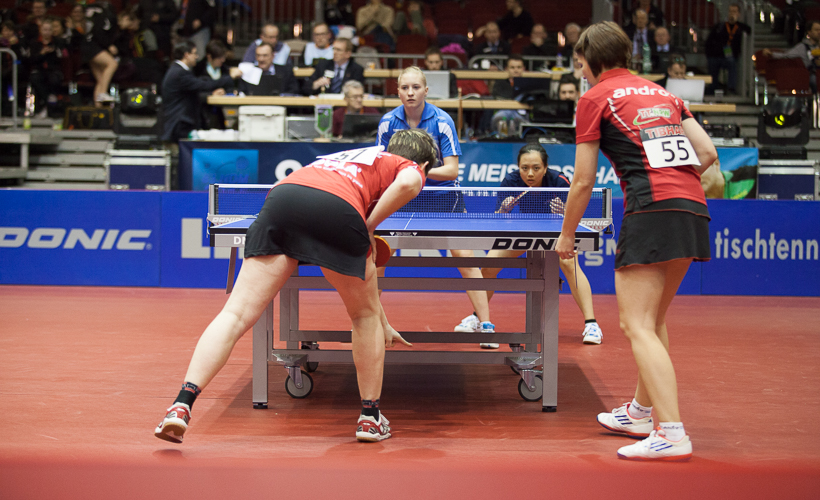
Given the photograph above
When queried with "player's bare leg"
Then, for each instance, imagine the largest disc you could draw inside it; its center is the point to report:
(582, 293)
(478, 298)
(492, 272)
(361, 299)
(260, 279)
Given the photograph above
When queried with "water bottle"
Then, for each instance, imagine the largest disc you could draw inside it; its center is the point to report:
(28, 112)
(646, 62)
(559, 61)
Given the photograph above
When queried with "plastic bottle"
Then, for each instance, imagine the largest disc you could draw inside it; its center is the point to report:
(28, 112)
(646, 59)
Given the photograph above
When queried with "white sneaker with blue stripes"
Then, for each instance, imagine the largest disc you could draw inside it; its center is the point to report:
(619, 420)
(593, 334)
(657, 447)
(487, 327)
(470, 324)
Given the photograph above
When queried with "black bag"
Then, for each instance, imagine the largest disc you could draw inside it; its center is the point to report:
(88, 118)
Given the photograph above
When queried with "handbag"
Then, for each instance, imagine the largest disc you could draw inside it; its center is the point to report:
(88, 118)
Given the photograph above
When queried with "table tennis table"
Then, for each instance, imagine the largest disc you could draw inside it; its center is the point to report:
(472, 228)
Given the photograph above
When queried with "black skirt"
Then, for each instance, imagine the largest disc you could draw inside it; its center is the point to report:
(662, 236)
(311, 226)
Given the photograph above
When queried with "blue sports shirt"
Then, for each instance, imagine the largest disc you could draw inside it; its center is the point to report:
(435, 121)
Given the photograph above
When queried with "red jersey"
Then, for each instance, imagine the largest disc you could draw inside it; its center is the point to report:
(359, 176)
(638, 124)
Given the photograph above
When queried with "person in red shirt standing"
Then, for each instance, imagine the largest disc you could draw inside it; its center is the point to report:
(323, 214)
(658, 151)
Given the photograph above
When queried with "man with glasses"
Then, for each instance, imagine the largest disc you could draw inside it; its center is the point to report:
(270, 35)
(329, 76)
(320, 47)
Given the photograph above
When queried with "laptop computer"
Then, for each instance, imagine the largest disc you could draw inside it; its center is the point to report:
(268, 85)
(522, 85)
(438, 84)
(360, 126)
(687, 90)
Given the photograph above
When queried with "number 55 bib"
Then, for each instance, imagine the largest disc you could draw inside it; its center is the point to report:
(667, 146)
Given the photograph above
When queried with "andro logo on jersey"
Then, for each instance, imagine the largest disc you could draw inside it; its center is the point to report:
(645, 90)
(54, 237)
(649, 115)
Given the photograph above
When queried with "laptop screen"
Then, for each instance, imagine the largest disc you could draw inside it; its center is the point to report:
(688, 90)
(357, 126)
(438, 84)
(268, 85)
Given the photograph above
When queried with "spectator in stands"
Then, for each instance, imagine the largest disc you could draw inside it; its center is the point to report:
(493, 44)
(675, 69)
(653, 12)
(723, 47)
(539, 46)
(505, 89)
(577, 67)
(197, 20)
(213, 67)
(566, 43)
(338, 12)
(159, 16)
(433, 61)
(320, 48)
(284, 81)
(46, 70)
(58, 30)
(181, 106)
(270, 35)
(568, 89)
(808, 50)
(640, 34)
(410, 22)
(517, 22)
(95, 48)
(330, 76)
(138, 47)
(661, 50)
(31, 30)
(75, 25)
(354, 97)
(377, 19)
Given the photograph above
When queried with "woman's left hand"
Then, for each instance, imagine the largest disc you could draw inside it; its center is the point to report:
(391, 336)
(565, 248)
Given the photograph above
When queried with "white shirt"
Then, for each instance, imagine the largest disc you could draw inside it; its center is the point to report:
(313, 52)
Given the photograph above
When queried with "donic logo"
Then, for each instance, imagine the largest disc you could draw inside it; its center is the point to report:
(56, 237)
(649, 115)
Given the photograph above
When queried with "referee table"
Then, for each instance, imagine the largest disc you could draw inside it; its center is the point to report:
(474, 224)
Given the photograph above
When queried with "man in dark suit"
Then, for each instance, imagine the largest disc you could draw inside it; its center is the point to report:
(329, 76)
(493, 44)
(181, 105)
(276, 79)
(640, 34)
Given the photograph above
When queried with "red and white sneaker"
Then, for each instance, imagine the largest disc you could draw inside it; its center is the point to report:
(619, 420)
(370, 430)
(175, 423)
(657, 447)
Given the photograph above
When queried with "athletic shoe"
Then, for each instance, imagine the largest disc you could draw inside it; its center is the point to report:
(104, 97)
(371, 430)
(593, 334)
(487, 327)
(657, 447)
(175, 423)
(622, 422)
(470, 324)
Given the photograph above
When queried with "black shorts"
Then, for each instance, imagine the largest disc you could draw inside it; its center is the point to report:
(662, 236)
(312, 226)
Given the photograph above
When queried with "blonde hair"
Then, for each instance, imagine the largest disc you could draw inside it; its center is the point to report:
(415, 70)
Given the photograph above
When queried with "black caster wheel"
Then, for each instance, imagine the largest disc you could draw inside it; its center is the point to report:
(310, 366)
(295, 392)
(529, 395)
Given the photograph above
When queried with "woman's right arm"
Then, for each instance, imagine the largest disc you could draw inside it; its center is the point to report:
(704, 148)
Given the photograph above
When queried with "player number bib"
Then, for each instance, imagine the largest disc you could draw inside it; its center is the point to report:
(667, 146)
(364, 156)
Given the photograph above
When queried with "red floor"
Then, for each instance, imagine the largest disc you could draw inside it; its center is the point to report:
(86, 373)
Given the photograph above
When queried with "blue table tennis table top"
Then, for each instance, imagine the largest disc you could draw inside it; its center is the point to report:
(446, 226)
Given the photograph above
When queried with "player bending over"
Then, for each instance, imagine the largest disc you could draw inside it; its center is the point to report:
(325, 215)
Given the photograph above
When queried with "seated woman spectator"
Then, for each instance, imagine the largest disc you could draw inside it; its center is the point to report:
(137, 46)
(354, 97)
(98, 26)
(46, 70)
(377, 19)
(410, 22)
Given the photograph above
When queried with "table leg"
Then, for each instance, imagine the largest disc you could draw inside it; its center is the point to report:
(262, 345)
(549, 327)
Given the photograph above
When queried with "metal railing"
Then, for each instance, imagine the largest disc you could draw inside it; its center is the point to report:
(14, 65)
(418, 59)
(532, 63)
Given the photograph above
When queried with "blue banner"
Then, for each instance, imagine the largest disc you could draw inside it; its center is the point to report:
(159, 239)
(224, 166)
(79, 238)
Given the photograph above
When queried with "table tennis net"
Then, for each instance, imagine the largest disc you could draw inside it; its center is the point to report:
(438, 202)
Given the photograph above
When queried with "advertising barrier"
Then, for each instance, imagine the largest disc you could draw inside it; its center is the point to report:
(759, 247)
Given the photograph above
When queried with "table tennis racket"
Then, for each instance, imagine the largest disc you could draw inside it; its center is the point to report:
(383, 251)
(510, 203)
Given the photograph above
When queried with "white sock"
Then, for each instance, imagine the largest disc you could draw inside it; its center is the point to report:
(673, 430)
(637, 411)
